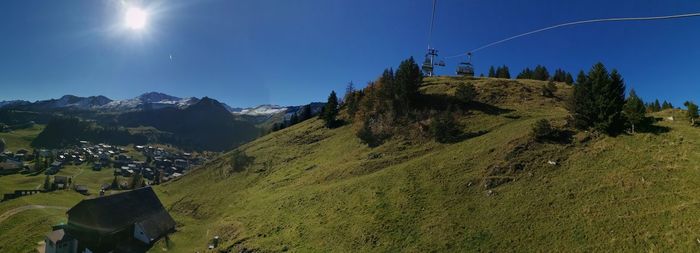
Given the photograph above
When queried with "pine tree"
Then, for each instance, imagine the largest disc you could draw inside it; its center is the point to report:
(540, 73)
(136, 180)
(612, 101)
(503, 72)
(692, 112)
(657, 106)
(582, 102)
(569, 79)
(407, 81)
(525, 74)
(349, 90)
(598, 100)
(492, 72)
(47, 184)
(330, 111)
(305, 113)
(666, 105)
(634, 110)
(294, 119)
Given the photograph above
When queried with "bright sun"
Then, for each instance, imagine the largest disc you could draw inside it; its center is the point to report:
(136, 18)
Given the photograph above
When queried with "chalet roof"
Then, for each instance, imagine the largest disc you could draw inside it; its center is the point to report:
(115, 212)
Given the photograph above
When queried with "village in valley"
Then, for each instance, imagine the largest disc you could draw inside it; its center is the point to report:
(132, 167)
(116, 206)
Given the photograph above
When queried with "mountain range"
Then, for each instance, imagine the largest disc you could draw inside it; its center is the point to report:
(146, 101)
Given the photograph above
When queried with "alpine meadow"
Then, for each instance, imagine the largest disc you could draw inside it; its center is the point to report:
(329, 126)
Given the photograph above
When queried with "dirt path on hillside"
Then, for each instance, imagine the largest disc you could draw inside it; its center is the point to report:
(20, 209)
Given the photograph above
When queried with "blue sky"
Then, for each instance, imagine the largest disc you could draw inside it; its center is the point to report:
(250, 52)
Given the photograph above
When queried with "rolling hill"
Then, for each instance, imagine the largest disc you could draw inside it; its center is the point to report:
(309, 188)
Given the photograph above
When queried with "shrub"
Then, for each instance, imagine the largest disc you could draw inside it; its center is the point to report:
(444, 128)
(542, 130)
(549, 89)
(240, 161)
(466, 93)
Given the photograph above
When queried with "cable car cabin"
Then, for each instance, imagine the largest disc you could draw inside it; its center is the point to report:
(465, 69)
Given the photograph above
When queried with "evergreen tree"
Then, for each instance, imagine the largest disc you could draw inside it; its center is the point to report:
(599, 99)
(657, 106)
(349, 90)
(136, 180)
(305, 113)
(569, 79)
(665, 105)
(47, 184)
(582, 105)
(525, 74)
(503, 72)
(634, 110)
(540, 73)
(294, 119)
(492, 72)
(692, 112)
(407, 81)
(330, 111)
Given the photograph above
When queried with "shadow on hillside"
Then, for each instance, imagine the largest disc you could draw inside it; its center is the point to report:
(560, 137)
(653, 129)
(648, 125)
(443, 101)
(465, 136)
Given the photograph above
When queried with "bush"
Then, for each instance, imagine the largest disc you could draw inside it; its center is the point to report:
(240, 161)
(542, 130)
(549, 89)
(466, 93)
(444, 128)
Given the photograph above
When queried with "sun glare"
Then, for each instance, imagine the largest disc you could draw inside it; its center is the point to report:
(136, 18)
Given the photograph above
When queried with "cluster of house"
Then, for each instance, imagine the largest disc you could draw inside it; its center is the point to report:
(160, 165)
(11, 163)
(124, 222)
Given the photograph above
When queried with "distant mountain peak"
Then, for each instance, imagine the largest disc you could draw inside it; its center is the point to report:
(153, 97)
(261, 110)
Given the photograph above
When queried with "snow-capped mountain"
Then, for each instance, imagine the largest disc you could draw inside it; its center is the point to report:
(13, 103)
(261, 110)
(67, 101)
(151, 100)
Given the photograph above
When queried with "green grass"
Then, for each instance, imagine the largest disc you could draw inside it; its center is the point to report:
(315, 189)
(25, 225)
(22, 231)
(21, 138)
(312, 189)
(320, 190)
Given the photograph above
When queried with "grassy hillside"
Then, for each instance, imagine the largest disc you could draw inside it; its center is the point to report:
(22, 231)
(315, 189)
(21, 138)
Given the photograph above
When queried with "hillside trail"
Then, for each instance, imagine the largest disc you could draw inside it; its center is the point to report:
(20, 209)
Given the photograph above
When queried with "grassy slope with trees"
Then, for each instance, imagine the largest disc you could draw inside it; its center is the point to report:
(313, 188)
